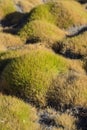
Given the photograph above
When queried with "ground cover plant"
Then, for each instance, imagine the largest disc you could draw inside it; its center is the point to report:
(43, 65)
(41, 31)
(30, 75)
(72, 13)
(15, 114)
(68, 90)
(74, 47)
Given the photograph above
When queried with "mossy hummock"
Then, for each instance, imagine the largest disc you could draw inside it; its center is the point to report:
(30, 76)
(62, 13)
(41, 31)
(17, 115)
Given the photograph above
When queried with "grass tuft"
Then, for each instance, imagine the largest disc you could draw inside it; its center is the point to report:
(29, 76)
(68, 90)
(16, 115)
(41, 31)
(62, 13)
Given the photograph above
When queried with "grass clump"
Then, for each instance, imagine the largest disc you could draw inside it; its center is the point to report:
(68, 90)
(9, 40)
(66, 121)
(58, 120)
(41, 31)
(62, 13)
(16, 115)
(6, 7)
(74, 47)
(29, 76)
(7, 56)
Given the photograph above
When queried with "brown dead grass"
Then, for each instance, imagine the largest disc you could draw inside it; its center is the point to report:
(73, 46)
(62, 121)
(68, 89)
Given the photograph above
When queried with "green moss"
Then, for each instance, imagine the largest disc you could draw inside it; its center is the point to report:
(61, 13)
(16, 115)
(37, 30)
(42, 12)
(44, 19)
(5, 57)
(30, 76)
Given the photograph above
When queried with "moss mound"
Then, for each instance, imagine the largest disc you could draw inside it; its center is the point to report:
(16, 115)
(30, 76)
(62, 13)
(6, 56)
(68, 90)
(37, 30)
(6, 7)
(73, 47)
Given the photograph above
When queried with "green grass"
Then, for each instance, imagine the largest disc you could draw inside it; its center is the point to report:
(62, 13)
(6, 56)
(41, 31)
(16, 115)
(29, 76)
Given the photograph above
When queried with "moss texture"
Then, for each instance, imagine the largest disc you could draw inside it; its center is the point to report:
(16, 115)
(29, 76)
(62, 13)
(41, 31)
